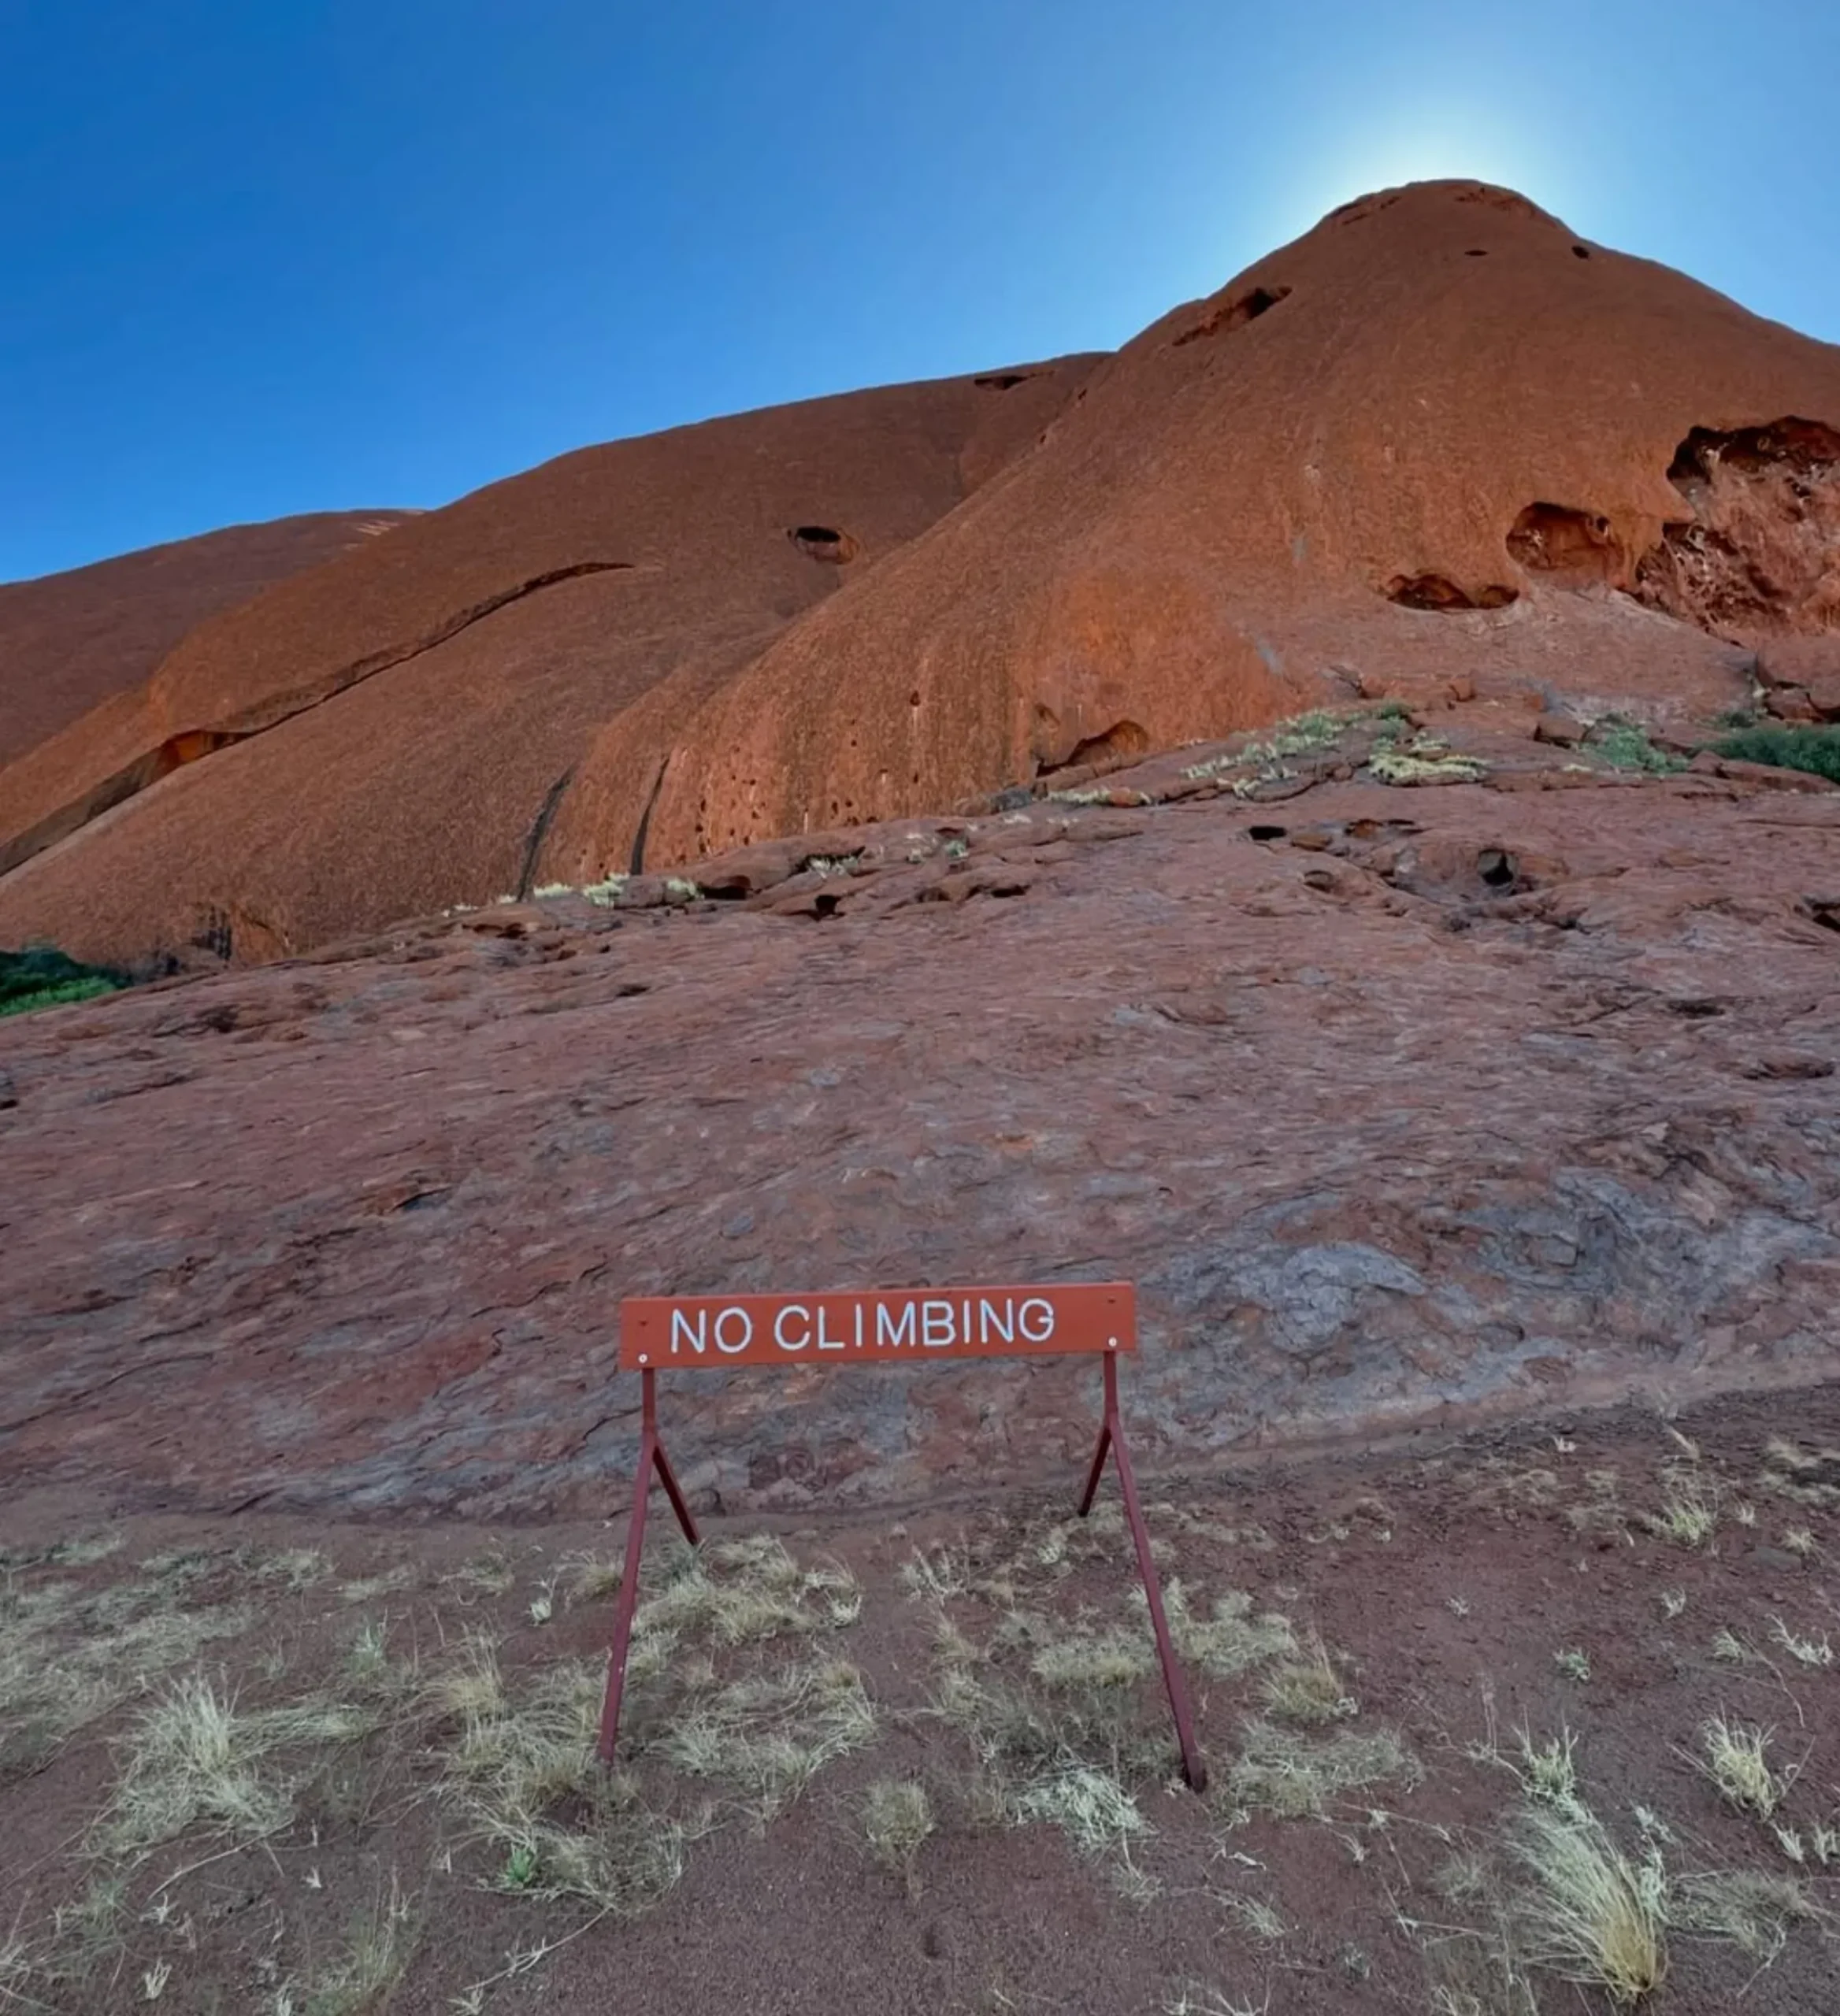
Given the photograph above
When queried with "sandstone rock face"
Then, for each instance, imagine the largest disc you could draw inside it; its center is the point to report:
(1802, 675)
(1437, 449)
(394, 729)
(1404, 1107)
(69, 641)
(1438, 434)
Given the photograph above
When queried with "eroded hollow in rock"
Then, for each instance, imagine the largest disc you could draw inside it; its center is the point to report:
(1435, 592)
(823, 542)
(1122, 739)
(1235, 314)
(1752, 553)
(1001, 381)
(1574, 547)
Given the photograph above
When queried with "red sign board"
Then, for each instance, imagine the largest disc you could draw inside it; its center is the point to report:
(899, 1327)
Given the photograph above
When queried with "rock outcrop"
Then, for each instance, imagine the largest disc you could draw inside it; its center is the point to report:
(69, 641)
(1438, 448)
(394, 729)
(1406, 1106)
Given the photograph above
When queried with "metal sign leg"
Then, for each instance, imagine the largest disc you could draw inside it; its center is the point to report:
(1111, 1438)
(651, 1456)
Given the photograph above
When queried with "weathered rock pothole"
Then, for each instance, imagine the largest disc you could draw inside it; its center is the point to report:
(1754, 555)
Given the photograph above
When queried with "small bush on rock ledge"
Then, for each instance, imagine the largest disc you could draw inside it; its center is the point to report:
(1816, 750)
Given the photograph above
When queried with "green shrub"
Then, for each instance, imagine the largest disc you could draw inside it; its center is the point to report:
(1816, 749)
(1626, 744)
(41, 976)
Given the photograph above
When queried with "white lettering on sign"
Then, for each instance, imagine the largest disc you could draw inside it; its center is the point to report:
(841, 1323)
(891, 1334)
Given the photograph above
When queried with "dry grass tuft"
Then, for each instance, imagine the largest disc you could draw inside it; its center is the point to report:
(1070, 1754)
(588, 1577)
(1258, 1919)
(520, 1758)
(897, 1820)
(369, 1963)
(1294, 1778)
(1803, 1476)
(1086, 1661)
(367, 1589)
(935, 1574)
(67, 1658)
(195, 1759)
(1308, 1690)
(1754, 1910)
(1690, 1508)
(739, 1591)
(1197, 1998)
(1230, 1640)
(1547, 1771)
(1805, 1651)
(294, 1569)
(1736, 1757)
(769, 1736)
(1589, 1913)
(1089, 1806)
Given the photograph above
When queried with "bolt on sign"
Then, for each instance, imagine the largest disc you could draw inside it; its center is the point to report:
(907, 1326)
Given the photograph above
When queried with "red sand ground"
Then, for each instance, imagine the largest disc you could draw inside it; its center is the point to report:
(1447, 1584)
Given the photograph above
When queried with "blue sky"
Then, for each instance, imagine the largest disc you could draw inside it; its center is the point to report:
(264, 258)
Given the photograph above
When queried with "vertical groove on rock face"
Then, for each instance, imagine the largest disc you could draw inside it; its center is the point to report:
(637, 864)
(540, 831)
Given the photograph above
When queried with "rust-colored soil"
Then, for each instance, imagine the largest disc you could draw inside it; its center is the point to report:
(1464, 1594)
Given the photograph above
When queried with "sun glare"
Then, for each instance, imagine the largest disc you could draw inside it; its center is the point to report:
(1433, 144)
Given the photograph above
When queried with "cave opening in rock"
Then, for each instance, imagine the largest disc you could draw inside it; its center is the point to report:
(1235, 314)
(1438, 593)
(1575, 547)
(823, 543)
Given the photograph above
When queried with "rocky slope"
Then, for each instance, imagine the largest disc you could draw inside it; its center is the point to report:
(1404, 1105)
